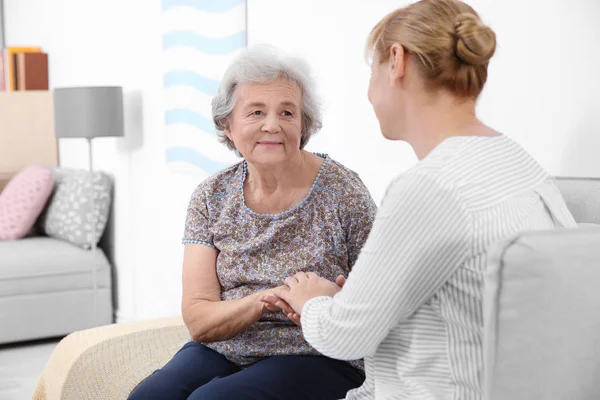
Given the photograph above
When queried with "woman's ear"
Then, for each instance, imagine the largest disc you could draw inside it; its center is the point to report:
(227, 130)
(397, 64)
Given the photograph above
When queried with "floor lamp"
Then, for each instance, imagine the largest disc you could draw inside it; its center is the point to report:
(89, 112)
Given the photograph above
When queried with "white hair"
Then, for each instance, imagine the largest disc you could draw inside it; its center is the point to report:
(262, 64)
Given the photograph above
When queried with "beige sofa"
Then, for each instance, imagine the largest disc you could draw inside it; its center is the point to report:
(106, 363)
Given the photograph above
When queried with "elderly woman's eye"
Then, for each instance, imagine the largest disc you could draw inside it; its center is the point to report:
(288, 114)
(257, 112)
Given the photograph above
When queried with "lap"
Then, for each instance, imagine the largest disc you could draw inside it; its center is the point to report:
(285, 377)
(194, 365)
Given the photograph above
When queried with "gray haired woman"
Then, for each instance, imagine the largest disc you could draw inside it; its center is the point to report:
(280, 211)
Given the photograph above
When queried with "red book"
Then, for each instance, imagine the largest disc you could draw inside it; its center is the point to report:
(10, 81)
(31, 71)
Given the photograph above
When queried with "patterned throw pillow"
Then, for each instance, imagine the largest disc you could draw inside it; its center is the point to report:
(80, 198)
(22, 201)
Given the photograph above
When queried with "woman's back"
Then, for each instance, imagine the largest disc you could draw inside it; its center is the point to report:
(412, 305)
(474, 192)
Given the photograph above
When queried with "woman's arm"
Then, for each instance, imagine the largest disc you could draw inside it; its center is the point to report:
(421, 235)
(207, 318)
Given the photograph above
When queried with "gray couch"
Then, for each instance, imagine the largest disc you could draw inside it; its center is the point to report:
(542, 324)
(542, 308)
(47, 288)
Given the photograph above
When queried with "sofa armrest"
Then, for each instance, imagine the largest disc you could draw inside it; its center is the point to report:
(109, 361)
(541, 321)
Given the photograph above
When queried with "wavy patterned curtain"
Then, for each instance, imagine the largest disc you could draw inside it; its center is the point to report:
(199, 38)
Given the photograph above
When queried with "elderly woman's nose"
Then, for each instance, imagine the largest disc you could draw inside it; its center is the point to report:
(271, 124)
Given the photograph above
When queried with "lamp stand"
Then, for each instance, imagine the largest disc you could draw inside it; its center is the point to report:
(90, 112)
(93, 243)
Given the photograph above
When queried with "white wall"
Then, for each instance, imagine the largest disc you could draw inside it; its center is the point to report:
(542, 91)
(116, 42)
(331, 36)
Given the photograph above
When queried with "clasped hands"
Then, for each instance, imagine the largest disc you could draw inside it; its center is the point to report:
(297, 290)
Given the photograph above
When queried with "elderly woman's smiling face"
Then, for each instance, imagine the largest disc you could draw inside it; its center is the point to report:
(266, 124)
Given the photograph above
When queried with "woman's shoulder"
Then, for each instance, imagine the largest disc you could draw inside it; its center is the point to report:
(343, 181)
(221, 183)
(477, 170)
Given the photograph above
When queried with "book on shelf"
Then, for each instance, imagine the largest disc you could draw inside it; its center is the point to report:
(31, 71)
(9, 67)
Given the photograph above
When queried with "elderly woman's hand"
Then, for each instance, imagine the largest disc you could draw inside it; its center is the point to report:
(273, 303)
(299, 289)
(270, 302)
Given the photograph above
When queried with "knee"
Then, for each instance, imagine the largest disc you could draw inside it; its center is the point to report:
(216, 390)
(141, 390)
(156, 386)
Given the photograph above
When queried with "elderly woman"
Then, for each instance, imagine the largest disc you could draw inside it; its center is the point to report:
(281, 211)
(412, 305)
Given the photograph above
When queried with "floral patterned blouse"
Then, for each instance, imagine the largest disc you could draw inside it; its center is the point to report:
(323, 233)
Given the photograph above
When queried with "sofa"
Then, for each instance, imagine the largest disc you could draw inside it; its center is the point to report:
(51, 282)
(107, 362)
(542, 308)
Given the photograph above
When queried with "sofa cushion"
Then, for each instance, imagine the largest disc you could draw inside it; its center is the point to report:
(541, 317)
(582, 196)
(22, 201)
(71, 210)
(41, 265)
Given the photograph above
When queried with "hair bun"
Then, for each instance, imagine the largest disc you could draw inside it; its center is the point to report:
(476, 42)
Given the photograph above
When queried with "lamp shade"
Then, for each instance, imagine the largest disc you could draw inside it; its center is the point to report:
(88, 112)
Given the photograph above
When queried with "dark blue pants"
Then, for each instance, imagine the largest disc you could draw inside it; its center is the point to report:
(199, 373)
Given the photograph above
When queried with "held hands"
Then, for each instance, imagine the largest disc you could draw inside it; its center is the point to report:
(275, 304)
(299, 289)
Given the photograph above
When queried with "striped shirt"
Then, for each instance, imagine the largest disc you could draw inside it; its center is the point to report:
(412, 305)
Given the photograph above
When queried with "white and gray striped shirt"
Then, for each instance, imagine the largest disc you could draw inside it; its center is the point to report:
(412, 305)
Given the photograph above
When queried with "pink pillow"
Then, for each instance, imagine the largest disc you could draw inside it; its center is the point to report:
(23, 200)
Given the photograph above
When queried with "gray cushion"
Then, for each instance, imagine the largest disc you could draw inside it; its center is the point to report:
(43, 265)
(542, 317)
(71, 212)
(582, 196)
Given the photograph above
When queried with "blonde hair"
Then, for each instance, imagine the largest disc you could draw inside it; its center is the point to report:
(450, 44)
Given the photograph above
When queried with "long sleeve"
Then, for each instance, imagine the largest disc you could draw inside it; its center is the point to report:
(421, 235)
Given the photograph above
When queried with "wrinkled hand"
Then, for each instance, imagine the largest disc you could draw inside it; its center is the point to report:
(298, 290)
(270, 302)
(274, 303)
